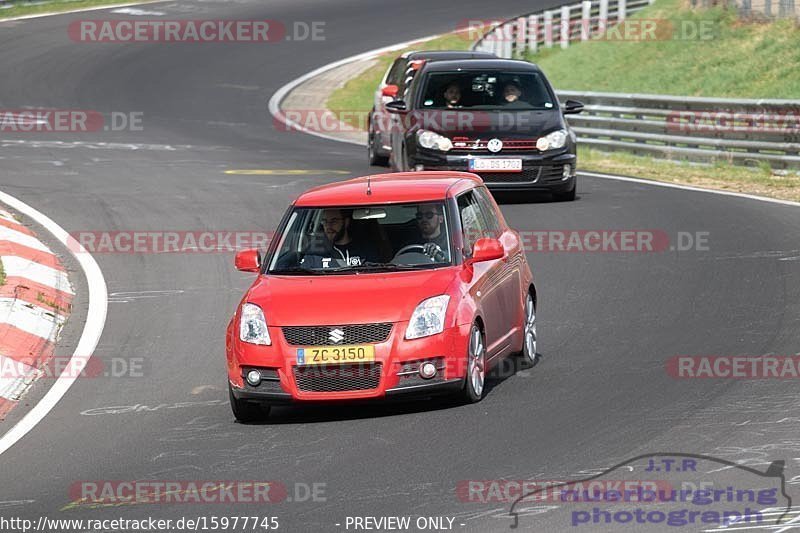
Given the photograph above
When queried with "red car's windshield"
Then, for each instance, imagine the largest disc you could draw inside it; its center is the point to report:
(379, 237)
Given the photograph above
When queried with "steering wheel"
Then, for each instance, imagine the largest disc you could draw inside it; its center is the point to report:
(420, 248)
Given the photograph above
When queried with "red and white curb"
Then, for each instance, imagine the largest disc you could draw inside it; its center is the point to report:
(35, 301)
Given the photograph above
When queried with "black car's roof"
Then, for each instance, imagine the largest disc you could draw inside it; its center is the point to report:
(481, 64)
(447, 54)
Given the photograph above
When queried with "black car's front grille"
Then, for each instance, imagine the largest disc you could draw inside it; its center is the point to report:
(336, 335)
(337, 378)
(528, 175)
(465, 144)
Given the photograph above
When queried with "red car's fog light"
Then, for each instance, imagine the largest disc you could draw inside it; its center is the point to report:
(427, 370)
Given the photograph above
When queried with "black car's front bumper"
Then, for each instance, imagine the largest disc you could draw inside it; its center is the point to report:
(543, 172)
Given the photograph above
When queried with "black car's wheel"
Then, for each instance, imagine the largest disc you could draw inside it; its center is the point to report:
(475, 382)
(247, 412)
(399, 160)
(566, 196)
(372, 152)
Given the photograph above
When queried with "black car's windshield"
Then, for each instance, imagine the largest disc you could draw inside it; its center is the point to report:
(363, 239)
(485, 89)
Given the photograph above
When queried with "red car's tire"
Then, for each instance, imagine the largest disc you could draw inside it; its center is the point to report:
(247, 412)
(475, 382)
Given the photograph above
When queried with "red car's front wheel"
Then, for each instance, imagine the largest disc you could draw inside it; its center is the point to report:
(476, 366)
(247, 412)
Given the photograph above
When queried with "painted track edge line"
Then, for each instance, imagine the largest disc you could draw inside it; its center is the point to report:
(688, 188)
(92, 329)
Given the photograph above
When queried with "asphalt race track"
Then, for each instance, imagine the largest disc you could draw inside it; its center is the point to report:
(608, 321)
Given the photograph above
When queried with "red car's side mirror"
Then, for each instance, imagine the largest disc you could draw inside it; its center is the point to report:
(486, 249)
(248, 260)
(390, 91)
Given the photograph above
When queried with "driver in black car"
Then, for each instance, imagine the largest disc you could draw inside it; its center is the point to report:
(429, 223)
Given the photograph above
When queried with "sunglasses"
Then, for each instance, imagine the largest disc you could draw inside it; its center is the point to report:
(429, 215)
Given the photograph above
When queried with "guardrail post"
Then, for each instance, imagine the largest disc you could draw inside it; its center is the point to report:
(586, 20)
(533, 33)
(621, 8)
(602, 22)
(506, 40)
(522, 35)
(564, 26)
(548, 29)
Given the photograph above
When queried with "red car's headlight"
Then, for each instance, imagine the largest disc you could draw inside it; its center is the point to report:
(428, 318)
(253, 326)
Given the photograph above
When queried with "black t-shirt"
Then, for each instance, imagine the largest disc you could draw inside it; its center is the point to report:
(338, 255)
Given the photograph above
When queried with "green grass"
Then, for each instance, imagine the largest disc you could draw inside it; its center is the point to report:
(738, 60)
(2, 274)
(356, 95)
(20, 8)
(721, 176)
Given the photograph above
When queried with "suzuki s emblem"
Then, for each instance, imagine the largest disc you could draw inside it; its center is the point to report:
(494, 145)
(336, 336)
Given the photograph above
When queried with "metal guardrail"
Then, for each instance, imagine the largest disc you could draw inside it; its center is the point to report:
(577, 22)
(743, 132)
(697, 129)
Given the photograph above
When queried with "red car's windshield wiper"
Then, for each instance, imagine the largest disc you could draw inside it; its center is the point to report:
(296, 270)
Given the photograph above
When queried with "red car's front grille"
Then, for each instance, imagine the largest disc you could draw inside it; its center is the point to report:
(325, 335)
(340, 378)
(465, 144)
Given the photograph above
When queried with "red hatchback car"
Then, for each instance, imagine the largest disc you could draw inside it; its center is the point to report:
(381, 286)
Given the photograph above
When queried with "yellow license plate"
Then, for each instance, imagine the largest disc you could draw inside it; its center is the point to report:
(335, 355)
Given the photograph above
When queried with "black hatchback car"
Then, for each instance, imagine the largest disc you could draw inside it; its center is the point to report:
(393, 86)
(497, 118)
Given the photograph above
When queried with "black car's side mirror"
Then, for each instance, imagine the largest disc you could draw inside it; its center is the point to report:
(572, 107)
(398, 106)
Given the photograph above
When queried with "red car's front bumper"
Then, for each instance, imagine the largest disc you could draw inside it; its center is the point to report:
(391, 374)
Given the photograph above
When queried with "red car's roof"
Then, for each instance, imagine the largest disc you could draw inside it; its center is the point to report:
(399, 187)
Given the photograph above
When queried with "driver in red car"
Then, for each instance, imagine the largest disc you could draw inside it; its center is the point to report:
(429, 223)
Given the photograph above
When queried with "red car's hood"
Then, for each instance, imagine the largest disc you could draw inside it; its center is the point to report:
(346, 299)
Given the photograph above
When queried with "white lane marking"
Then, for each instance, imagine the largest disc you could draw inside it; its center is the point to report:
(138, 12)
(127, 297)
(30, 318)
(12, 235)
(274, 107)
(92, 329)
(25, 268)
(15, 376)
(689, 188)
(81, 10)
(10, 143)
(274, 104)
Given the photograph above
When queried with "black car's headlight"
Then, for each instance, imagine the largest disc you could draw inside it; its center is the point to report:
(551, 141)
(433, 141)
